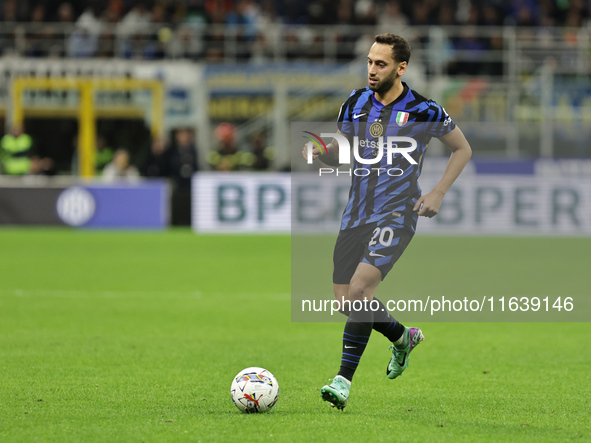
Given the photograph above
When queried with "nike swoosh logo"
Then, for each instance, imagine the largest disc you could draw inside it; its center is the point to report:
(373, 254)
(403, 361)
(357, 116)
(350, 347)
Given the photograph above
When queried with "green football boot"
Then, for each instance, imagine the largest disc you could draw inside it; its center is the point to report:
(337, 393)
(399, 361)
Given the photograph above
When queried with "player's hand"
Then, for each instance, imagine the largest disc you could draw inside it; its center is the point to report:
(315, 152)
(428, 205)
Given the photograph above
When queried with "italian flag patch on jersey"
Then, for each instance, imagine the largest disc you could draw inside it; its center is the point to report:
(402, 118)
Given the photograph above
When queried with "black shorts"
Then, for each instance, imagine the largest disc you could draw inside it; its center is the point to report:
(379, 244)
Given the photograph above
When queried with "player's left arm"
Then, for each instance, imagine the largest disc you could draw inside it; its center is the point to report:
(460, 155)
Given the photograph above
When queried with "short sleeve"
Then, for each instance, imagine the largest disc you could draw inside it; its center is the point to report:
(440, 123)
(344, 122)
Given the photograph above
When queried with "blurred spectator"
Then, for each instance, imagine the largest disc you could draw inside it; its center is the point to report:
(120, 167)
(316, 12)
(268, 34)
(109, 17)
(525, 17)
(243, 20)
(392, 20)
(363, 44)
(104, 154)
(16, 150)
(366, 12)
(183, 161)
(65, 13)
(420, 14)
(292, 44)
(219, 8)
(323, 12)
(38, 13)
(182, 164)
(185, 43)
(157, 41)
(226, 157)
(159, 14)
(136, 21)
(495, 67)
(134, 31)
(17, 154)
(178, 12)
(473, 49)
(195, 15)
(156, 164)
(260, 156)
(82, 43)
(214, 36)
(440, 45)
(345, 11)
(241, 27)
(201, 29)
(491, 16)
(13, 11)
(89, 20)
(116, 7)
(38, 43)
(293, 12)
(267, 17)
(113, 12)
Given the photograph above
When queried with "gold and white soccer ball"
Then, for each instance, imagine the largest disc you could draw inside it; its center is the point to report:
(254, 390)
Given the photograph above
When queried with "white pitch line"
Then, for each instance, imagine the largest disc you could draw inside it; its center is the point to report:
(91, 293)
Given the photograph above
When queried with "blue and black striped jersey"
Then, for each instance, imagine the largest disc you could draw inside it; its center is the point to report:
(388, 190)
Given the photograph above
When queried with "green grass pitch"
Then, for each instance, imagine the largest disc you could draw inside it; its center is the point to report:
(120, 336)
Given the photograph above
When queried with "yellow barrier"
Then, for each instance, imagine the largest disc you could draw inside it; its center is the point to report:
(87, 112)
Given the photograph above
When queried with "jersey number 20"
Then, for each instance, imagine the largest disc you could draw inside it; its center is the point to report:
(386, 235)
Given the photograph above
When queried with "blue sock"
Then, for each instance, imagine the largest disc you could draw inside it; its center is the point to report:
(357, 332)
(385, 324)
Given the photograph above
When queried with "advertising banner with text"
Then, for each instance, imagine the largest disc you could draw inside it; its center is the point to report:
(475, 205)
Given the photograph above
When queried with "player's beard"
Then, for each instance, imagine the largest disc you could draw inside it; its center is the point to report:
(385, 84)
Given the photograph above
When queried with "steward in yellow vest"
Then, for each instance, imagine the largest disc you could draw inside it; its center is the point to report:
(15, 152)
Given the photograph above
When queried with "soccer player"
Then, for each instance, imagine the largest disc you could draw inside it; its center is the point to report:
(382, 211)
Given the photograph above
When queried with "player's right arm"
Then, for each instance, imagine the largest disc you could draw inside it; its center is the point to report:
(331, 158)
(345, 128)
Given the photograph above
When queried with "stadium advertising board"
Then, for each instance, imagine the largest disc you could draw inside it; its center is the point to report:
(143, 205)
(241, 202)
(475, 205)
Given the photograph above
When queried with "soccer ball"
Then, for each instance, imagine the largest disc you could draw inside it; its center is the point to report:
(254, 390)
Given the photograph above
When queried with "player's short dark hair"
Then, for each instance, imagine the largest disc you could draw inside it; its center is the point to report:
(400, 47)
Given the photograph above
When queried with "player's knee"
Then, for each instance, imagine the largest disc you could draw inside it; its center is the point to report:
(358, 290)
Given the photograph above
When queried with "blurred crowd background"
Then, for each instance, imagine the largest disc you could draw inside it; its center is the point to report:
(237, 72)
(258, 13)
(213, 30)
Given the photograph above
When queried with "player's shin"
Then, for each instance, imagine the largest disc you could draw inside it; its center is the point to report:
(355, 337)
